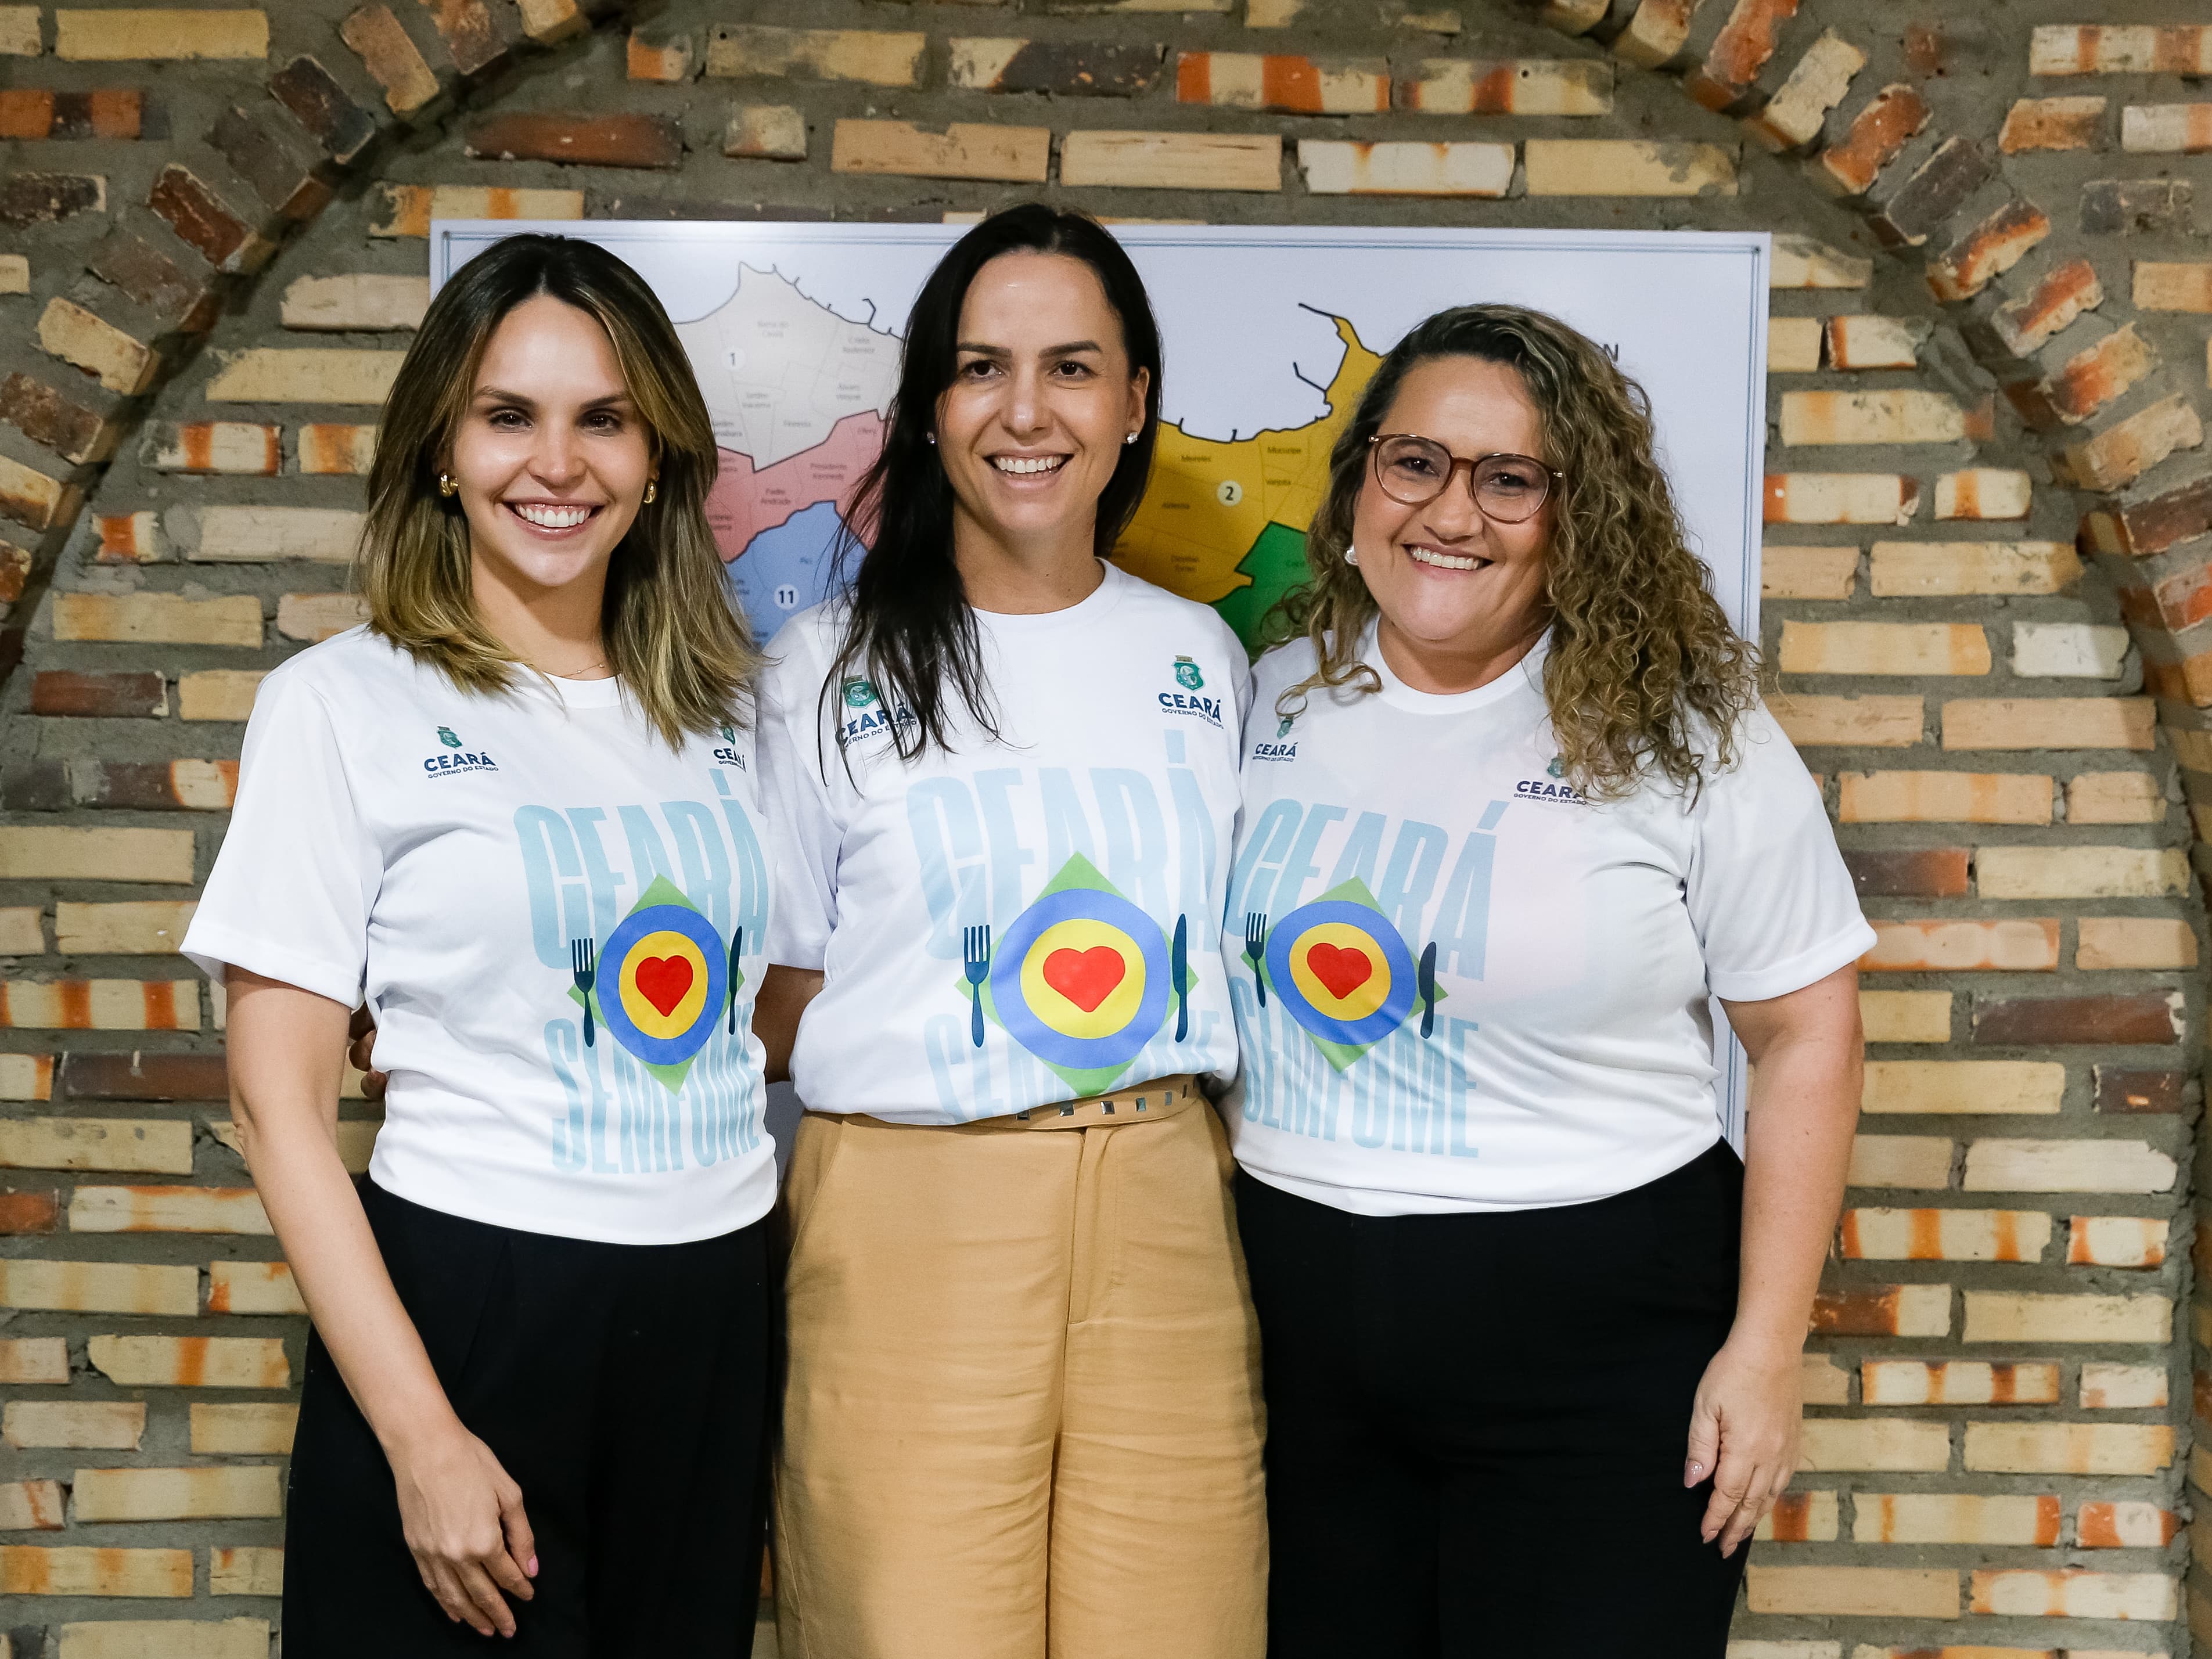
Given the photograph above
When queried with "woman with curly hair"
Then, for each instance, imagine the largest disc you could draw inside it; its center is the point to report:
(1513, 815)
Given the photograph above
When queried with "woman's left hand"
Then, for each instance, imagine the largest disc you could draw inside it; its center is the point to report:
(1743, 1433)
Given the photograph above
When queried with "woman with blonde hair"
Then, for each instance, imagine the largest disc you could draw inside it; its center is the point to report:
(518, 815)
(1513, 814)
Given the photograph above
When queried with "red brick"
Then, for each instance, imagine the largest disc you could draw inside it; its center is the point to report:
(466, 29)
(144, 1076)
(2092, 378)
(2052, 123)
(198, 214)
(660, 53)
(126, 262)
(14, 574)
(1744, 44)
(45, 416)
(28, 1213)
(2129, 1088)
(2134, 207)
(1989, 249)
(2140, 1017)
(2113, 1526)
(113, 112)
(45, 198)
(2025, 323)
(1932, 872)
(600, 141)
(2154, 525)
(1871, 1310)
(390, 57)
(1065, 68)
(321, 107)
(135, 697)
(1877, 133)
(1283, 81)
(281, 175)
(1938, 188)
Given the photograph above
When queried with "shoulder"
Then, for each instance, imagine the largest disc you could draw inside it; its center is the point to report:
(353, 670)
(1283, 667)
(802, 647)
(1166, 615)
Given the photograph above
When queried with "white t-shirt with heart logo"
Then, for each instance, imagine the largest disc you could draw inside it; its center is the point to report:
(1030, 918)
(558, 921)
(1461, 987)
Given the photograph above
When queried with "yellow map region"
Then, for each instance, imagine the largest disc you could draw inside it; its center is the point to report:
(1209, 500)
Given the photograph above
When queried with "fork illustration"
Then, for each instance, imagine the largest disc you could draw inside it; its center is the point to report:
(1255, 945)
(976, 954)
(583, 968)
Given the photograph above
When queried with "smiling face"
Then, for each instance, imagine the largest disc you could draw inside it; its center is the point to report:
(1041, 399)
(1454, 586)
(551, 458)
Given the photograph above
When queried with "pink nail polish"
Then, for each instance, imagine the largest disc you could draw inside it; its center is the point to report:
(532, 1568)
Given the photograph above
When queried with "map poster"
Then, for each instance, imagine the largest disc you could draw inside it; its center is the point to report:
(1268, 335)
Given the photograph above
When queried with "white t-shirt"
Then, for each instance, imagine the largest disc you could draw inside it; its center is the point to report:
(998, 926)
(1566, 1054)
(455, 860)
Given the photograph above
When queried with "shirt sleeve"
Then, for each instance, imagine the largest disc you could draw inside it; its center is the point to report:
(298, 871)
(803, 831)
(1240, 674)
(1774, 906)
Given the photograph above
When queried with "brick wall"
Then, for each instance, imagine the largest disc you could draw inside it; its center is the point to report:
(1988, 596)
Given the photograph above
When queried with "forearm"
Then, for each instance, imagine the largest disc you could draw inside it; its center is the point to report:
(1802, 1111)
(318, 1220)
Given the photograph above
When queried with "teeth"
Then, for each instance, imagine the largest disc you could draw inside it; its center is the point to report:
(1017, 463)
(1442, 560)
(553, 518)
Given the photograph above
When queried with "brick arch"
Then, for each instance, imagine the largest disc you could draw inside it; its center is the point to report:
(2004, 841)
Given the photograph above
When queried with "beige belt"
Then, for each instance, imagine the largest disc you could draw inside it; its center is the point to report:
(1140, 1103)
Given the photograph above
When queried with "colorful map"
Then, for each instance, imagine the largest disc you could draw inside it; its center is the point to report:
(799, 396)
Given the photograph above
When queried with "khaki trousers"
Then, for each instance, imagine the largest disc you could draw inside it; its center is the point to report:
(1022, 1418)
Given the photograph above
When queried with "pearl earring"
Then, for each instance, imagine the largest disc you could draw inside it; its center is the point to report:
(1131, 438)
(446, 484)
(1351, 554)
(932, 436)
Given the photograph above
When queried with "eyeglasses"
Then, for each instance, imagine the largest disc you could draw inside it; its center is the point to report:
(1414, 471)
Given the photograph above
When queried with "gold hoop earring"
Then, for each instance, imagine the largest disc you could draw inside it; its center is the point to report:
(651, 489)
(446, 484)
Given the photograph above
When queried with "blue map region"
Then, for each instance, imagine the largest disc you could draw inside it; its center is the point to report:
(786, 569)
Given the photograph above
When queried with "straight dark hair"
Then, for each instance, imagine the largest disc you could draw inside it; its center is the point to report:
(908, 627)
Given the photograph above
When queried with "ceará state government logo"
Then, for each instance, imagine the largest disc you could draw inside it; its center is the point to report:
(1187, 676)
(458, 758)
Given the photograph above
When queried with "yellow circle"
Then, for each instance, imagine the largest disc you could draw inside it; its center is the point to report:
(646, 1017)
(1363, 999)
(1065, 1015)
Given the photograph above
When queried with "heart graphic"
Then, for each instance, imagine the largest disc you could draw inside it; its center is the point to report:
(662, 981)
(1342, 969)
(1085, 978)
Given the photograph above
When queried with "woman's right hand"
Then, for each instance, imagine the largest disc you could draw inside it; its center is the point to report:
(360, 1053)
(462, 1516)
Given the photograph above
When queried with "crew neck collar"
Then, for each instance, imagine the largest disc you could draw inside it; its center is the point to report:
(1524, 676)
(1113, 584)
(587, 694)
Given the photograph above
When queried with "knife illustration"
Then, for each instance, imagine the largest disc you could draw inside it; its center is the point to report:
(737, 950)
(1428, 987)
(1178, 965)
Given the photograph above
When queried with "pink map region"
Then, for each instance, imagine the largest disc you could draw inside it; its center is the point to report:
(744, 503)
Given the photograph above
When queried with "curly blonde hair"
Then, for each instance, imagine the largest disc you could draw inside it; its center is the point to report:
(1644, 672)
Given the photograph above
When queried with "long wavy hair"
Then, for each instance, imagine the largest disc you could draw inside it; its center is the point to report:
(1644, 674)
(908, 627)
(682, 651)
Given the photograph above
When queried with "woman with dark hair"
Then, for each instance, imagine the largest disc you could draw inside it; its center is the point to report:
(518, 816)
(1021, 1415)
(1513, 814)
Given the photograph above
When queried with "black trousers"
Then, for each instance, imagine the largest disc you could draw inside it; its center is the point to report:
(1477, 1425)
(625, 1389)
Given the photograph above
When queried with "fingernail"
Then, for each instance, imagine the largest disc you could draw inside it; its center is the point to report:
(532, 1568)
(1697, 1470)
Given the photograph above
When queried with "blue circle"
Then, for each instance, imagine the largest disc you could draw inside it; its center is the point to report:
(665, 919)
(1353, 1033)
(1057, 1048)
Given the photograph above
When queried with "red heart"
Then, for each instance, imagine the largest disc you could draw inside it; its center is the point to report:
(1343, 970)
(662, 981)
(1085, 978)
